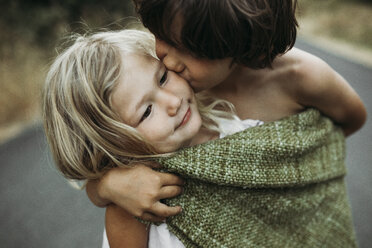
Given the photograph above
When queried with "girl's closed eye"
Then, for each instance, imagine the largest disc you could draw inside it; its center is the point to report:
(164, 77)
(146, 114)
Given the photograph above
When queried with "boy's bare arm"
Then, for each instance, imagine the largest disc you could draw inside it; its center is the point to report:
(123, 230)
(319, 86)
(92, 191)
(138, 190)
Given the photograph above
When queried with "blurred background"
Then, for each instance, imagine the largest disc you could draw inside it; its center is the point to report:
(29, 34)
(30, 31)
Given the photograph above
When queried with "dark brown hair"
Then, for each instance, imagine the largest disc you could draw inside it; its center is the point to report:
(253, 32)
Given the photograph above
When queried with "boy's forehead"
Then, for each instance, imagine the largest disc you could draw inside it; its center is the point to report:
(165, 21)
(174, 35)
(176, 28)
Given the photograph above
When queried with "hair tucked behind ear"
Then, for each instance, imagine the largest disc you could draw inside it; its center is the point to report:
(86, 137)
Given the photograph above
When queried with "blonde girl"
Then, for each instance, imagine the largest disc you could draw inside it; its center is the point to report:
(88, 115)
(109, 102)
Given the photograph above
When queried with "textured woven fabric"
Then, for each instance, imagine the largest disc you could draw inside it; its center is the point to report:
(276, 185)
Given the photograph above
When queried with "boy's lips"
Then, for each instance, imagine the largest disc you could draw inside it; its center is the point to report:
(186, 118)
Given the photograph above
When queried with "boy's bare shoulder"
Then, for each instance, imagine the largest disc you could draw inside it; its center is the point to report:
(304, 71)
(303, 66)
(316, 84)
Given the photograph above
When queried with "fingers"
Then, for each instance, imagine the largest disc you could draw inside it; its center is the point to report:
(165, 178)
(170, 179)
(159, 213)
(167, 212)
(151, 217)
(152, 164)
(169, 192)
(162, 210)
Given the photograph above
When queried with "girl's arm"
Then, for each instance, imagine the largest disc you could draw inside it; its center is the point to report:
(123, 230)
(319, 86)
(138, 190)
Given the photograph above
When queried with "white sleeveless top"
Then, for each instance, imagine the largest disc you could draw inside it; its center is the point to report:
(160, 236)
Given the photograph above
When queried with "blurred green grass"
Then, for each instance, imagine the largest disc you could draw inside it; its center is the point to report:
(348, 21)
(30, 31)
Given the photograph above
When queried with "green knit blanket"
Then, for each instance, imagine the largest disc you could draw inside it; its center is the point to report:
(280, 184)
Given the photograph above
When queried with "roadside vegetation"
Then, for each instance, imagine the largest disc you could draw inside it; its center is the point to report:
(30, 31)
(348, 21)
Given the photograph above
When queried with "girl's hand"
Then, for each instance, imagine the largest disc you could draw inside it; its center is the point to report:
(138, 190)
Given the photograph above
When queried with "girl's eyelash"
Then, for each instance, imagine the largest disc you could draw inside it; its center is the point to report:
(149, 108)
(147, 113)
(164, 77)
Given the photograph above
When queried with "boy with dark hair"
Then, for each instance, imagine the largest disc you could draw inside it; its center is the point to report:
(253, 33)
(240, 51)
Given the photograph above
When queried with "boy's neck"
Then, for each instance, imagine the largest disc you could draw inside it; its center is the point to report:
(241, 76)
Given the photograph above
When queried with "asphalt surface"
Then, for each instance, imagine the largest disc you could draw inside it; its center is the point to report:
(39, 209)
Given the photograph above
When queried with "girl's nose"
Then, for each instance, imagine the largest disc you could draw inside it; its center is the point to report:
(171, 102)
(169, 56)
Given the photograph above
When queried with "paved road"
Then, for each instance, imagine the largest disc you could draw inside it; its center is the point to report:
(38, 208)
(359, 145)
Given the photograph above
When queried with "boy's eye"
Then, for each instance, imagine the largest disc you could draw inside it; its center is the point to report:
(163, 78)
(147, 113)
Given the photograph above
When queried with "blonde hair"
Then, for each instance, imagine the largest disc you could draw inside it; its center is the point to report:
(85, 135)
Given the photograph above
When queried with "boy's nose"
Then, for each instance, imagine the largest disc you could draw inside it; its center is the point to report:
(161, 48)
(172, 63)
(169, 56)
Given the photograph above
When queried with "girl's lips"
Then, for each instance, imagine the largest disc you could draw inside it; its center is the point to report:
(186, 118)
